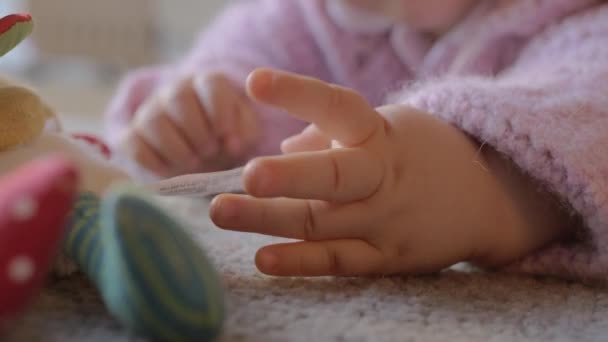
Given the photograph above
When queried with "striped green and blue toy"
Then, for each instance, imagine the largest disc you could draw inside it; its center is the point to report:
(152, 276)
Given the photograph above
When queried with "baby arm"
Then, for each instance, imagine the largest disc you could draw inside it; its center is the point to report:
(548, 114)
(193, 115)
(399, 191)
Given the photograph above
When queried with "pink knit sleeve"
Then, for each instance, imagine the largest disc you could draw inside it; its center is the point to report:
(247, 35)
(549, 114)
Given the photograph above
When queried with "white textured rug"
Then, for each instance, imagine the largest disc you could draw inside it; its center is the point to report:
(453, 306)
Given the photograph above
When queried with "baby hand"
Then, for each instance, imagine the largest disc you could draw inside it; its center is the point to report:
(202, 123)
(375, 192)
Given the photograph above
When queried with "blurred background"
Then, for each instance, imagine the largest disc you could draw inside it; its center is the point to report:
(81, 48)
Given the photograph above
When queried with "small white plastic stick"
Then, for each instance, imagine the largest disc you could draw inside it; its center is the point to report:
(201, 184)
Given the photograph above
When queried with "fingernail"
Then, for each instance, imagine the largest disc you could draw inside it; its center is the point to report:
(261, 82)
(268, 262)
(285, 145)
(258, 179)
(221, 212)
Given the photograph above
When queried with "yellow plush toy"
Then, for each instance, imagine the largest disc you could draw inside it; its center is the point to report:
(24, 115)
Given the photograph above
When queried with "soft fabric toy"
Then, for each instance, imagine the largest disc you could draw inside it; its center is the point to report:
(34, 203)
(34, 199)
(14, 28)
(152, 276)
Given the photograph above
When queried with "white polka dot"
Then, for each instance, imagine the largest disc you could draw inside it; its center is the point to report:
(21, 269)
(25, 208)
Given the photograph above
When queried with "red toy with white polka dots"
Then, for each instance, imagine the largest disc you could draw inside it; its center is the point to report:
(34, 203)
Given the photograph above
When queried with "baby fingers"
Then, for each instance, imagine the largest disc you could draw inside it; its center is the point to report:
(340, 175)
(139, 151)
(186, 112)
(340, 113)
(310, 139)
(168, 141)
(323, 258)
(291, 218)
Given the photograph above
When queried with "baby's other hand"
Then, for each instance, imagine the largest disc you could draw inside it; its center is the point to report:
(200, 123)
(392, 190)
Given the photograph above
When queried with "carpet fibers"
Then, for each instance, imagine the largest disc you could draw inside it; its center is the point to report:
(453, 306)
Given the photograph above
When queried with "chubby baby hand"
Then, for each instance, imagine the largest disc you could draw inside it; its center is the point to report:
(196, 124)
(386, 191)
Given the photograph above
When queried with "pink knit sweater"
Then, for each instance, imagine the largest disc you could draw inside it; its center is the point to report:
(529, 78)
